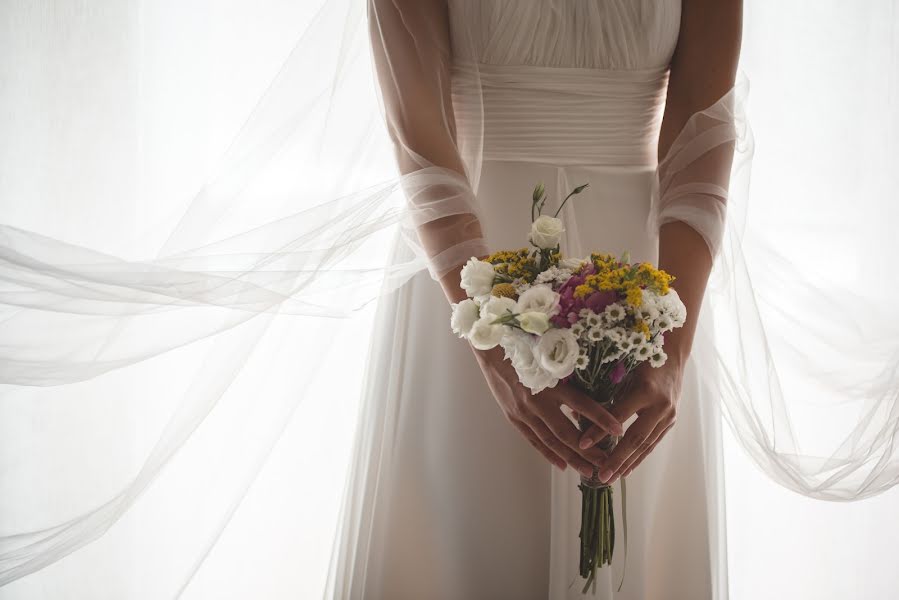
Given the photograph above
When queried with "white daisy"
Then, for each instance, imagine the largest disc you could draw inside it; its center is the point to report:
(658, 358)
(612, 355)
(615, 312)
(663, 323)
(636, 338)
(643, 351)
(582, 361)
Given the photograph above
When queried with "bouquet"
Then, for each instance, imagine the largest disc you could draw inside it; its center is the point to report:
(585, 321)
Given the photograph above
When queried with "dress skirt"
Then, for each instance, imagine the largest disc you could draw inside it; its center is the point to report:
(446, 500)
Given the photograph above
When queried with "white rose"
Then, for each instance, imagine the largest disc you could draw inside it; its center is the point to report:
(557, 352)
(484, 335)
(464, 315)
(539, 298)
(497, 307)
(519, 349)
(536, 379)
(534, 322)
(477, 277)
(546, 232)
(572, 264)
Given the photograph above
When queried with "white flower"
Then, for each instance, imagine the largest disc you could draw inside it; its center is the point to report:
(650, 298)
(484, 335)
(647, 312)
(497, 307)
(595, 333)
(615, 312)
(577, 329)
(582, 361)
(557, 351)
(671, 305)
(553, 275)
(521, 286)
(534, 322)
(477, 277)
(616, 334)
(539, 298)
(636, 338)
(643, 351)
(519, 349)
(573, 264)
(592, 319)
(536, 379)
(664, 323)
(464, 315)
(658, 358)
(546, 232)
(611, 356)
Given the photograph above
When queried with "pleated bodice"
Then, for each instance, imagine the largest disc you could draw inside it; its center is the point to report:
(570, 82)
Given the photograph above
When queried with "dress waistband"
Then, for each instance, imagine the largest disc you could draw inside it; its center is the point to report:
(561, 115)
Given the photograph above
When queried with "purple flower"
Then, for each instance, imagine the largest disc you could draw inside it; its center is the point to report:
(598, 301)
(560, 321)
(618, 372)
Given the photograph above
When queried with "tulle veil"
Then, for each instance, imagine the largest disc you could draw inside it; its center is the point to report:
(288, 236)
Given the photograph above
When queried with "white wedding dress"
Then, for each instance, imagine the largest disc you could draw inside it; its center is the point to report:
(446, 500)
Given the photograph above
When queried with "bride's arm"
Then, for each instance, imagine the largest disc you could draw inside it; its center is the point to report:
(695, 156)
(703, 70)
(412, 54)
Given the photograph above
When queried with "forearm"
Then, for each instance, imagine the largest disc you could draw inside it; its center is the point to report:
(703, 69)
(683, 253)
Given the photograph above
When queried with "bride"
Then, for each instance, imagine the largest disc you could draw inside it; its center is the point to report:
(161, 429)
(464, 483)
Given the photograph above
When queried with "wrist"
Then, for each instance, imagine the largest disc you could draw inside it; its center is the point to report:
(488, 357)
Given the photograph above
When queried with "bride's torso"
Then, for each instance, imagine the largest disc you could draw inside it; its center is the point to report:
(568, 82)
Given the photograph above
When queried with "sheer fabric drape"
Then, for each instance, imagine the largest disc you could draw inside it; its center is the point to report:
(291, 225)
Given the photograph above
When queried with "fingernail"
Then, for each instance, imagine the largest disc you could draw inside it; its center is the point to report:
(586, 471)
(586, 442)
(604, 475)
(561, 465)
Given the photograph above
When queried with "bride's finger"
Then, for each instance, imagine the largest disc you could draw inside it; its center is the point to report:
(634, 440)
(542, 448)
(591, 409)
(551, 439)
(634, 461)
(566, 431)
(591, 436)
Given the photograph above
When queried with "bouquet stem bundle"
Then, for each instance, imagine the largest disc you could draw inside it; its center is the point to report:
(597, 518)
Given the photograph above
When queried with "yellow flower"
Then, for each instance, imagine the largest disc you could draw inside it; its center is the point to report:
(582, 290)
(635, 296)
(640, 325)
(503, 290)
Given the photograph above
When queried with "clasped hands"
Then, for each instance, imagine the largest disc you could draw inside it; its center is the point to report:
(652, 395)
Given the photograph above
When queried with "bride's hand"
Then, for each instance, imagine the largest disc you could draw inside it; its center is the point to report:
(539, 417)
(653, 396)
